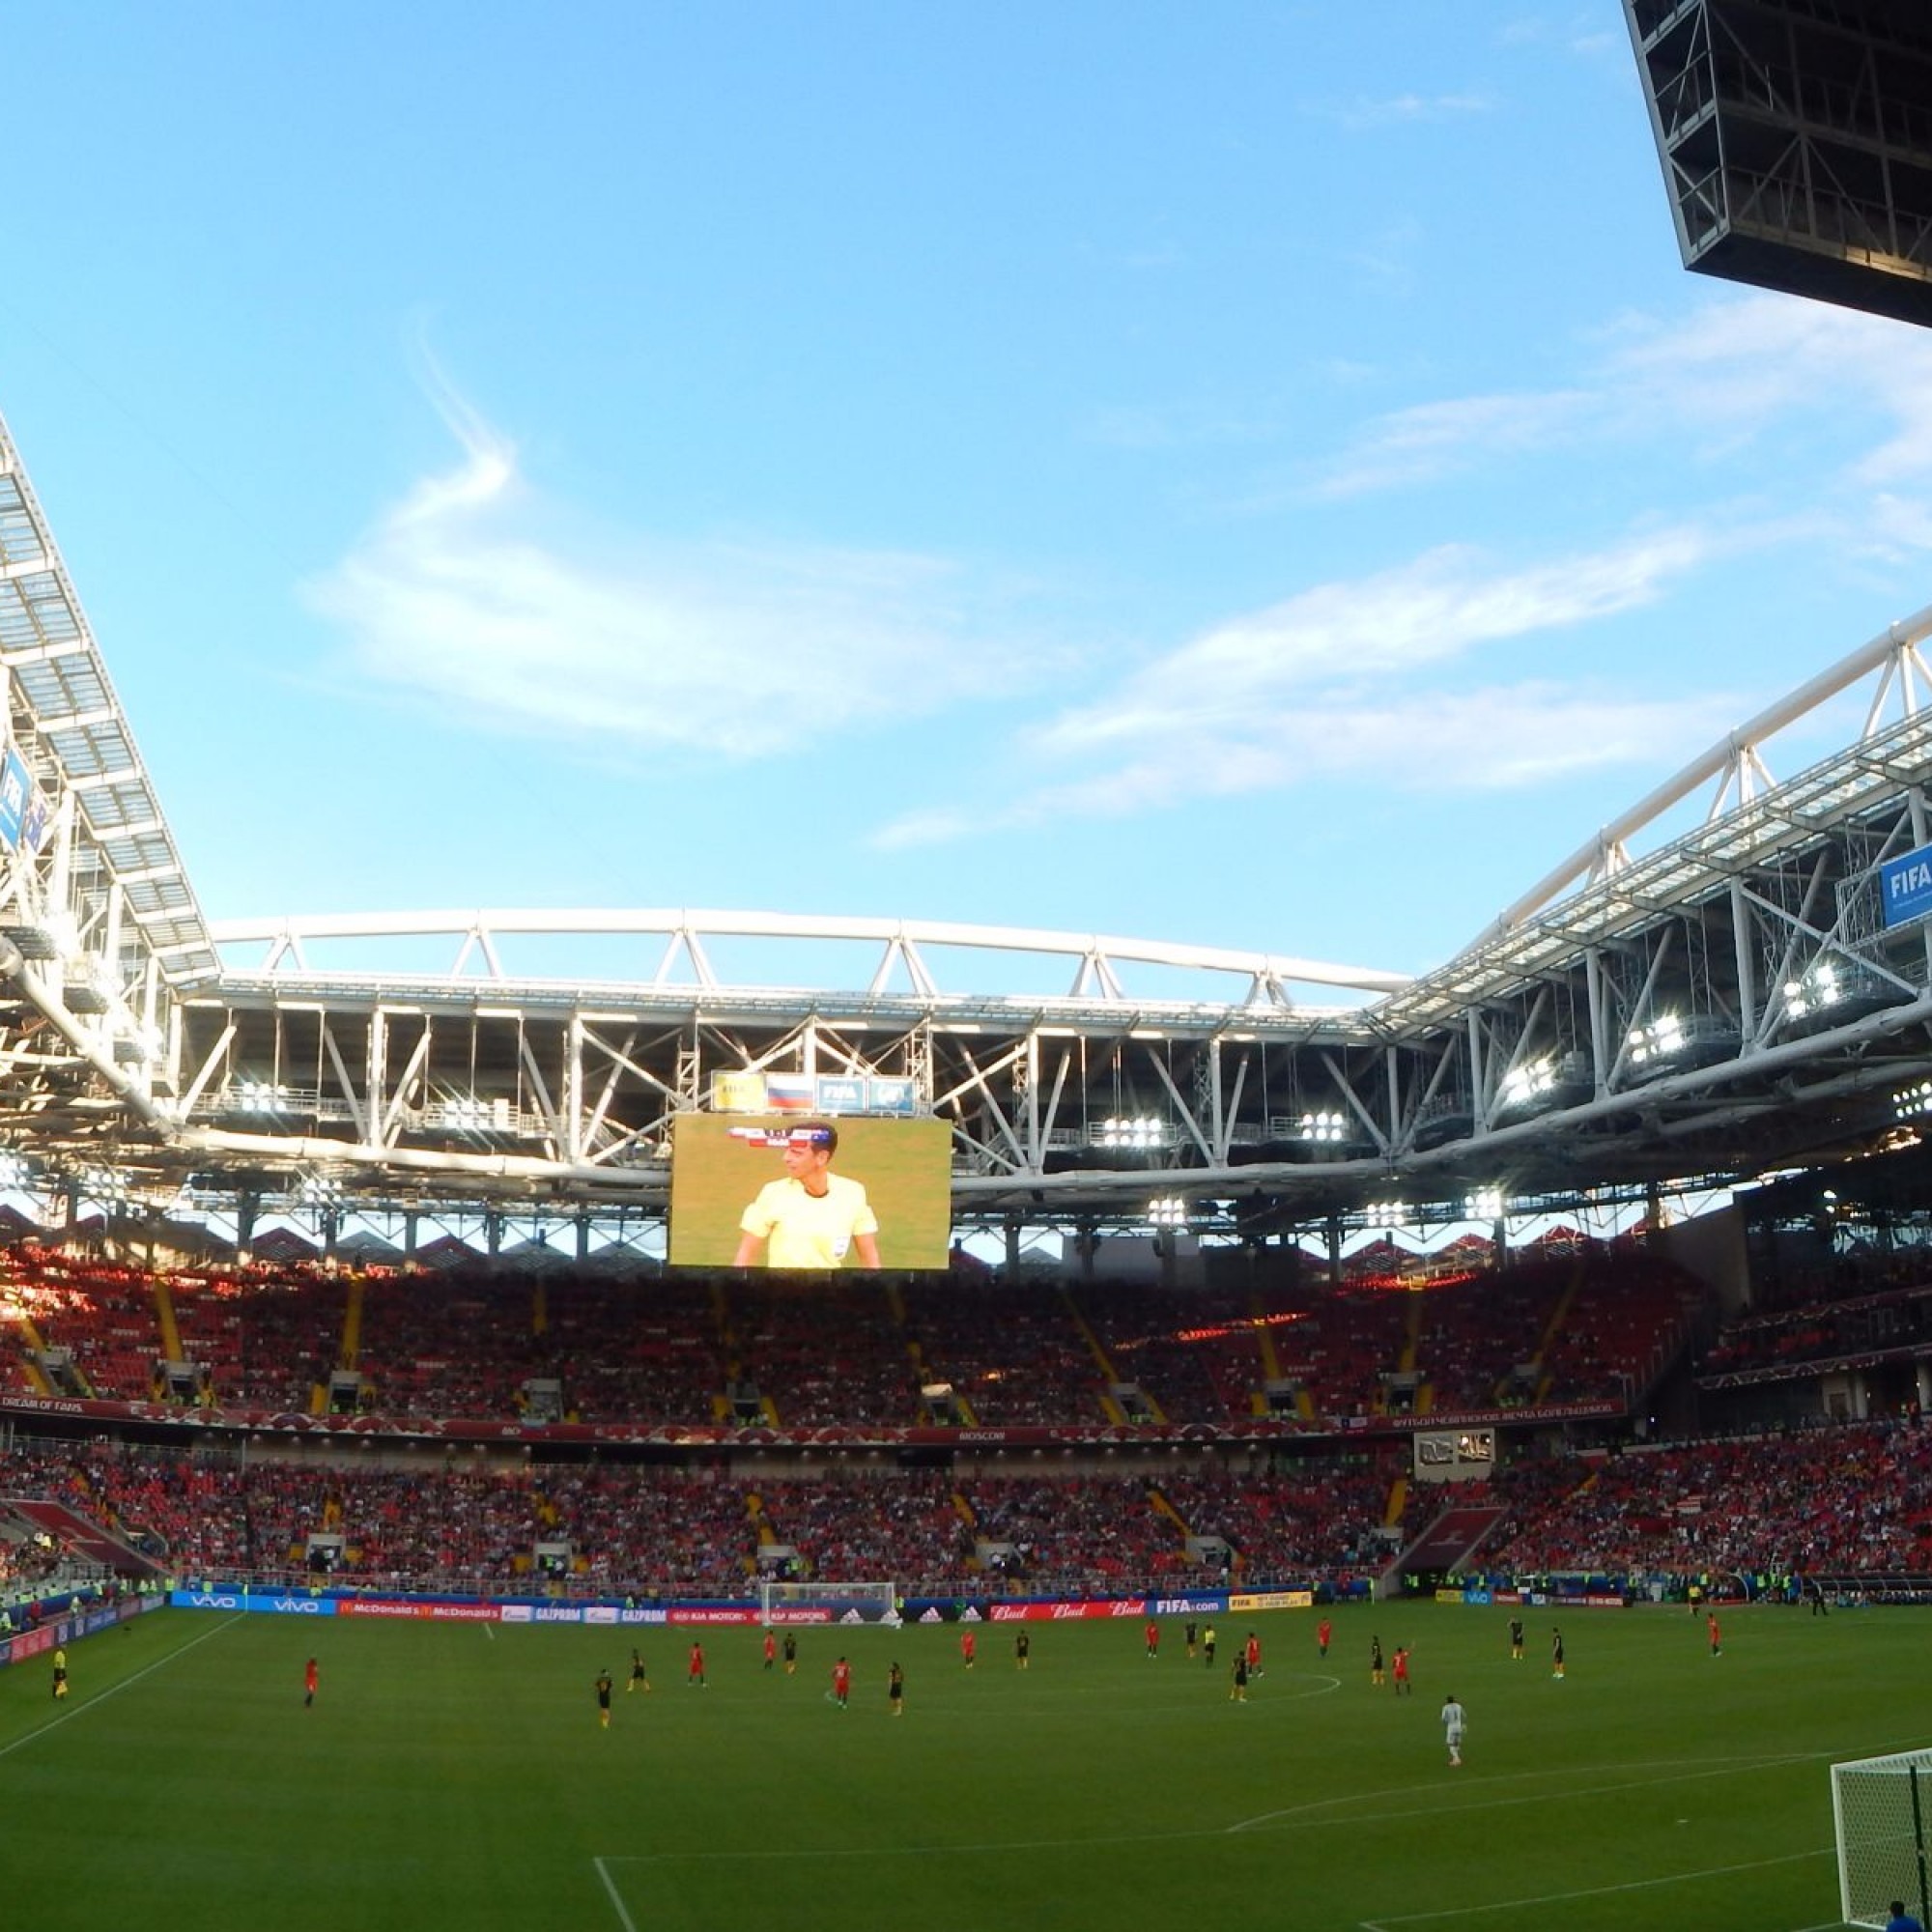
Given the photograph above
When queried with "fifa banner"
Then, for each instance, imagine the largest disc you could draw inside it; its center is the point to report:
(24, 817)
(1905, 886)
(730, 1178)
(814, 1093)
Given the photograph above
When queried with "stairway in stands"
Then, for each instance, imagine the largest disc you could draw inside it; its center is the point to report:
(81, 1534)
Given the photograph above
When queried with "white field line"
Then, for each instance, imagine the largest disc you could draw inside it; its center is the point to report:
(102, 1696)
(624, 1919)
(1594, 1892)
(1247, 1827)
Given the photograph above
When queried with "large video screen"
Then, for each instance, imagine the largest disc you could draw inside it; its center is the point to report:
(787, 1192)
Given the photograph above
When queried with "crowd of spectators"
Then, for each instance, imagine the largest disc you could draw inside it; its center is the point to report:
(1307, 1520)
(1848, 1499)
(1853, 1497)
(1822, 1331)
(852, 1351)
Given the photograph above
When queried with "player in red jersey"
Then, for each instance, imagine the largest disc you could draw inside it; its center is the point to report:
(694, 1670)
(969, 1646)
(1716, 1638)
(1398, 1671)
(1254, 1655)
(1323, 1631)
(1152, 1637)
(771, 1650)
(311, 1681)
(842, 1683)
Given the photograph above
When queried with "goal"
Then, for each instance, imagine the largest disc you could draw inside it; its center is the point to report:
(828, 1603)
(1880, 1807)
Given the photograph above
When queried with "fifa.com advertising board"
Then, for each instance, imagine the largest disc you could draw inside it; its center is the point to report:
(798, 1194)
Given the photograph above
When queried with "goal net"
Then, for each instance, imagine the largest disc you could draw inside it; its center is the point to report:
(828, 1603)
(1879, 1808)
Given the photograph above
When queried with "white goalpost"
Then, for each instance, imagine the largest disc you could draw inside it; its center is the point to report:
(821, 1603)
(1880, 1810)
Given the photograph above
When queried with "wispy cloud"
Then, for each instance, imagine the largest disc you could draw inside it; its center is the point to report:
(1582, 32)
(1709, 383)
(1337, 681)
(1365, 115)
(1431, 440)
(459, 598)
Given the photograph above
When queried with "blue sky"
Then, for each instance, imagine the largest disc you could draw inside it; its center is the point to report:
(1254, 475)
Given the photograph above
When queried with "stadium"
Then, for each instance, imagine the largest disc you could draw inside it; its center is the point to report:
(456, 1413)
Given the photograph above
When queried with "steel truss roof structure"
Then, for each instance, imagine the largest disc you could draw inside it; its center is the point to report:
(1670, 1002)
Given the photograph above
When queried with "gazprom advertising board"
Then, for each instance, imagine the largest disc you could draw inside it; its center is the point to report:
(1906, 887)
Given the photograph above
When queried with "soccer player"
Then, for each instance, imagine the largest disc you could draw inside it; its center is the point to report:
(790, 1654)
(639, 1677)
(1189, 1634)
(1375, 1661)
(1452, 1727)
(813, 1218)
(969, 1647)
(1717, 1640)
(1555, 1651)
(1254, 1655)
(1208, 1645)
(895, 1691)
(694, 1669)
(771, 1650)
(1153, 1635)
(60, 1673)
(1323, 1631)
(842, 1683)
(604, 1699)
(1022, 1650)
(310, 1683)
(1239, 1695)
(1902, 1920)
(1516, 1639)
(1403, 1686)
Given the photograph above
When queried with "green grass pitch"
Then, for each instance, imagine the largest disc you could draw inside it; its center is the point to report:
(455, 1777)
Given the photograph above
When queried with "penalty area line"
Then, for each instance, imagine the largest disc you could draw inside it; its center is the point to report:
(102, 1696)
(1592, 1891)
(616, 1897)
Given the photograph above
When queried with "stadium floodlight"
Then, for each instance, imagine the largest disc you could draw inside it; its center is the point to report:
(1486, 1204)
(1527, 1081)
(1813, 990)
(1660, 1038)
(1907, 1103)
(1139, 1130)
(320, 1190)
(261, 1096)
(13, 1172)
(1167, 1210)
(106, 1184)
(1389, 1214)
(1324, 1126)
